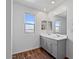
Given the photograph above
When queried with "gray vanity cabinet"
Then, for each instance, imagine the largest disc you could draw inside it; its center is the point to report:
(57, 48)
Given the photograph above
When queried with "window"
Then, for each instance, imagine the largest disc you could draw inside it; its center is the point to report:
(29, 22)
(57, 26)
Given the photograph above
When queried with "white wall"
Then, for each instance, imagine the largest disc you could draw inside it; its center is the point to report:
(22, 41)
(67, 4)
(70, 29)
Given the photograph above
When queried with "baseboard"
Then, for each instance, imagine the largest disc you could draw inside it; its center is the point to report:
(25, 50)
(66, 58)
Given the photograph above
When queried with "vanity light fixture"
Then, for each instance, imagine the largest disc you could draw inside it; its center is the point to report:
(44, 9)
(53, 2)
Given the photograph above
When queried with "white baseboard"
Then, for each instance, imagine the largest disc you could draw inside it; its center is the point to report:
(25, 50)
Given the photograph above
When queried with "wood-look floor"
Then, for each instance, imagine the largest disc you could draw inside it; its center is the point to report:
(33, 54)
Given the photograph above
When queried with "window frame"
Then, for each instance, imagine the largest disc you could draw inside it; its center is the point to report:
(29, 23)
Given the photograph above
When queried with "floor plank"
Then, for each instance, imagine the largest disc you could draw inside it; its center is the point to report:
(33, 54)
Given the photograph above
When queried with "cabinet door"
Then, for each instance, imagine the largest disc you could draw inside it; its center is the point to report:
(49, 45)
(54, 48)
(43, 42)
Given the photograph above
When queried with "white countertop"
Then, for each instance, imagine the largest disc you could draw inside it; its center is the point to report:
(54, 36)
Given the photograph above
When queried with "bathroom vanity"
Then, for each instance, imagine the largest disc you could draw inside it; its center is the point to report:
(55, 44)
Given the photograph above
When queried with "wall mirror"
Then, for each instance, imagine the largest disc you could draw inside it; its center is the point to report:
(43, 25)
(60, 23)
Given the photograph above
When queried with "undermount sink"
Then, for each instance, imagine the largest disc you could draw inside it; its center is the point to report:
(54, 36)
(57, 35)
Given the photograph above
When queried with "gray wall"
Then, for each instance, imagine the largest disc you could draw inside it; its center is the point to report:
(8, 29)
(22, 41)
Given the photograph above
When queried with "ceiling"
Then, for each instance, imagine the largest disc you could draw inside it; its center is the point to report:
(63, 14)
(42, 5)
